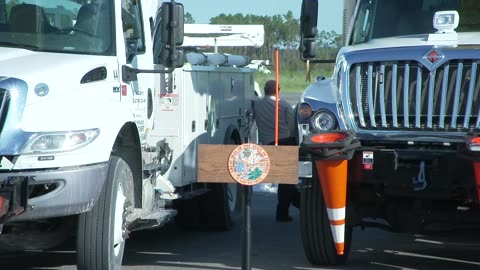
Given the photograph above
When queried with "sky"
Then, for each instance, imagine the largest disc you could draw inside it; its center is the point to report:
(202, 10)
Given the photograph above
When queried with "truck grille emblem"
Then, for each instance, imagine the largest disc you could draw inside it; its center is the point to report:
(433, 56)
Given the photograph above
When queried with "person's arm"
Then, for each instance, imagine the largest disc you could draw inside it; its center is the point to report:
(290, 116)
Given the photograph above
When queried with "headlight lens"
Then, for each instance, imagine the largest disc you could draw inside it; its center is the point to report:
(446, 21)
(60, 141)
(304, 111)
(324, 121)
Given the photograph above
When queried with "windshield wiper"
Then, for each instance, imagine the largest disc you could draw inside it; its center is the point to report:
(18, 45)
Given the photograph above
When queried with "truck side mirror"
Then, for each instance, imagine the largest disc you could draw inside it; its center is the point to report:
(308, 48)
(308, 28)
(308, 18)
(169, 24)
(170, 20)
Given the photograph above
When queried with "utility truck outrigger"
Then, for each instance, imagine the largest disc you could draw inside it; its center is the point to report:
(394, 133)
(99, 125)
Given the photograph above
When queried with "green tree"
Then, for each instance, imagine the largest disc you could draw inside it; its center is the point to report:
(6, 7)
(328, 43)
(289, 34)
(188, 18)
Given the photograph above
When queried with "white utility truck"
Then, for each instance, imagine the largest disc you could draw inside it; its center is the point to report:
(402, 110)
(207, 101)
(98, 136)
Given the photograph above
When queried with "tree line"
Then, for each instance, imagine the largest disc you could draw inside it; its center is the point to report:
(282, 32)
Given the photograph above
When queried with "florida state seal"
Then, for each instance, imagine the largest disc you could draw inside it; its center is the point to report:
(248, 164)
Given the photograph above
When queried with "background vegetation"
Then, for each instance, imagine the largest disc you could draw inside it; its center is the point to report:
(282, 33)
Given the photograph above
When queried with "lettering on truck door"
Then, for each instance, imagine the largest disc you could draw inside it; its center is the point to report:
(139, 92)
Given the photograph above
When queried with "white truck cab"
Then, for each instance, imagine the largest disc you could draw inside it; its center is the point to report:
(76, 109)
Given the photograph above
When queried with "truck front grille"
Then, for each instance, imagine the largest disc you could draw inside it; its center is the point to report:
(404, 95)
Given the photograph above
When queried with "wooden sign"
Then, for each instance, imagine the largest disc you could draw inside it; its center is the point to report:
(213, 163)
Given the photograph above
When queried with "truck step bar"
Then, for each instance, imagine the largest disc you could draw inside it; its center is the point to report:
(152, 220)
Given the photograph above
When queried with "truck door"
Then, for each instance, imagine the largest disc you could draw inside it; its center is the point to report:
(137, 52)
(194, 112)
(232, 111)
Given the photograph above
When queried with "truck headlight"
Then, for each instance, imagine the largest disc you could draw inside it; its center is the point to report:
(304, 111)
(59, 141)
(324, 121)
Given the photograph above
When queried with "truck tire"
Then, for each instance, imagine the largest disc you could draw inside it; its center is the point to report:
(211, 211)
(216, 208)
(102, 231)
(234, 190)
(315, 227)
(188, 213)
(234, 195)
(222, 202)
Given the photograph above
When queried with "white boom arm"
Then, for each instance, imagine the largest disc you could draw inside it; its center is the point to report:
(214, 35)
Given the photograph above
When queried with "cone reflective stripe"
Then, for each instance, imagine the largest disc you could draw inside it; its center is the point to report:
(476, 168)
(337, 225)
(333, 178)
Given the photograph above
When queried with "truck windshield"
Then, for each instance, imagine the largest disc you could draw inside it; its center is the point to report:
(64, 26)
(388, 18)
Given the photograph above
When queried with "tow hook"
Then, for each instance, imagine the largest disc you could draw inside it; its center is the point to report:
(420, 183)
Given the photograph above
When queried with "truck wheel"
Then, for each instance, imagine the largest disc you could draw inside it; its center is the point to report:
(221, 202)
(188, 213)
(210, 211)
(315, 227)
(234, 190)
(217, 207)
(234, 195)
(102, 231)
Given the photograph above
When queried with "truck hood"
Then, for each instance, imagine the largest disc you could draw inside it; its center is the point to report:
(60, 72)
(470, 39)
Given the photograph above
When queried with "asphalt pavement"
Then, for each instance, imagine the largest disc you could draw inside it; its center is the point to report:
(275, 246)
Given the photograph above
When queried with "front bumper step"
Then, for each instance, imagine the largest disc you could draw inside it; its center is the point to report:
(153, 219)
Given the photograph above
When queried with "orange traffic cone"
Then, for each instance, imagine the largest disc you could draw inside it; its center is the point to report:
(476, 168)
(333, 178)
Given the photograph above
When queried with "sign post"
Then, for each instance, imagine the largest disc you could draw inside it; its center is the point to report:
(246, 228)
(248, 164)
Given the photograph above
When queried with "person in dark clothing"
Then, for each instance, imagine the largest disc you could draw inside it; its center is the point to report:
(286, 194)
(264, 114)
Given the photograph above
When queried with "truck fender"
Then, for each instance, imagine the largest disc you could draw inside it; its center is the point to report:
(127, 146)
(323, 94)
(232, 133)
